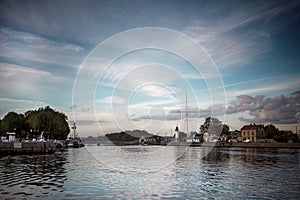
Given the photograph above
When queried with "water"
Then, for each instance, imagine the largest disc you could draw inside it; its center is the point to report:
(153, 172)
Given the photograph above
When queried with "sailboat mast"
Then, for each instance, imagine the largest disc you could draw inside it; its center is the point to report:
(186, 114)
(74, 129)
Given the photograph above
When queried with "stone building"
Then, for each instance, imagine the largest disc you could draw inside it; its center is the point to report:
(253, 133)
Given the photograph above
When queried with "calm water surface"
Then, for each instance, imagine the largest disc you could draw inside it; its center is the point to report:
(153, 172)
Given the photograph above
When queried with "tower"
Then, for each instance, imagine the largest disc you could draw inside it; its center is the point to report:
(74, 129)
(176, 133)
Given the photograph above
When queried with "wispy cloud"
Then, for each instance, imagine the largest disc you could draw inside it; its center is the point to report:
(112, 100)
(80, 108)
(229, 41)
(33, 102)
(32, 47)
(278, 110)
(26, 82)
(265, 88)
(149, 104)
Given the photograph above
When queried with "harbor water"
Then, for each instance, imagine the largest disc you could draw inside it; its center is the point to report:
(153, 172)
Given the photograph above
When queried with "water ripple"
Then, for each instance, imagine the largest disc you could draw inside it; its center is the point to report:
(221, 174)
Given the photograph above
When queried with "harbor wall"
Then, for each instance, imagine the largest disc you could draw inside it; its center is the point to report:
(7, 148)
(266, 145)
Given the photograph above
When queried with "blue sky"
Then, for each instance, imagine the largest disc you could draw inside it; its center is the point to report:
(52, 54)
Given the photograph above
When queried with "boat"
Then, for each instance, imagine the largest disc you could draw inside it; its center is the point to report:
(73, 140)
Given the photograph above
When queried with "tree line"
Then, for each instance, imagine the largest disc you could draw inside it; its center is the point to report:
(215, 126)
(32, 123)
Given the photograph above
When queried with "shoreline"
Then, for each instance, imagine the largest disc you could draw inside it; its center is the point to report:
(15, 148)
(242, 145)
(211, 144)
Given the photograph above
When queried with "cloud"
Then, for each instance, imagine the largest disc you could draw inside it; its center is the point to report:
(33, 102)
(149, 79)
(26, 82)
(35, 48)
(230, 40)
(178, 114)
(81, 108)
(293, 82)
(112, 100)
(278, 110)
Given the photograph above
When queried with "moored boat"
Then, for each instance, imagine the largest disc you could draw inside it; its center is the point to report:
(73, 140)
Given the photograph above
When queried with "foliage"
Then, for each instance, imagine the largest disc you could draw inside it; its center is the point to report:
(128, 136)
(51, 123)
(271, 131)
(214, 126)
(286, 136)
(12, 122)
(118, 138)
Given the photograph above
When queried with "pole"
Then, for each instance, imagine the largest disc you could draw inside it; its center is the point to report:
(186, 114)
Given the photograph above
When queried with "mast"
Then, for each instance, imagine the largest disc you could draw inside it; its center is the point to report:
(74, 129)
(186, 114)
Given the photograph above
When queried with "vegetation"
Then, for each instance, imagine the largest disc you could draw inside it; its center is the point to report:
(51, 123)
(271, 131)
(280, 136)
(214, 126)
(122, 136)
(128, 136)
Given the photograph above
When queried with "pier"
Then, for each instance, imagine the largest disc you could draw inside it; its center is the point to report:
(8, 148)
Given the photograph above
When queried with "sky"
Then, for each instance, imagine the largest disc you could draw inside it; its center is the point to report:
(124, 65)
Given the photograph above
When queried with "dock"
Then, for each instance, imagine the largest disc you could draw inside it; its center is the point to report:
(9, 148)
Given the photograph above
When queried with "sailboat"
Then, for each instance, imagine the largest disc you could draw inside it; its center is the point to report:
(73, 140)
(192, 139)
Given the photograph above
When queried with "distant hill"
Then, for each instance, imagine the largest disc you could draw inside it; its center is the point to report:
(120, 138)
(128, 136)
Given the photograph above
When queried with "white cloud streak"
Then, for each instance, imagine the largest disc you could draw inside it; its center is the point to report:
(23, 81)
(228, 43)
(112, 100)
(32, 47)
(33, 102)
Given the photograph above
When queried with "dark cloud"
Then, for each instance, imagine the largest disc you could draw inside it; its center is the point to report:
(278, 110)
(178, 114)
(79, 108)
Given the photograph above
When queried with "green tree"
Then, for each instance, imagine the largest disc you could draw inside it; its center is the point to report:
(51, 123)
(213, 126)
(13, 122)
(271, 131)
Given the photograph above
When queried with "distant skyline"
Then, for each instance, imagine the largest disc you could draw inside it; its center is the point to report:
(251, 47)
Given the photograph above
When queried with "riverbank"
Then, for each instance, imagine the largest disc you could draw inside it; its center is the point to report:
(8, 148)
(266, 145)
(208, 144)
(245, 145)
(237, 144)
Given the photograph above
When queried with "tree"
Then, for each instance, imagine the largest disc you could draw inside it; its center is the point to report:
(13, 122)
(271, 131)
(51, 123)
(214, 126)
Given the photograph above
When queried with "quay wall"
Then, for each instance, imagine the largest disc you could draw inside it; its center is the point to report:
(7, 148)
(266, 145)
(239, 144)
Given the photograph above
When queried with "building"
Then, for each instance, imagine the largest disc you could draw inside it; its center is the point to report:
(235, 136)
(253, 133)
(194, 138)
(208, 138)
(177, 134)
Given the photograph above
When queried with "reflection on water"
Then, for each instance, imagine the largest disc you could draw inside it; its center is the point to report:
(153, 172)
(32, 175)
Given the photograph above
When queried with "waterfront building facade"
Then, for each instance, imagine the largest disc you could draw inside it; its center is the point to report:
(253, 133)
